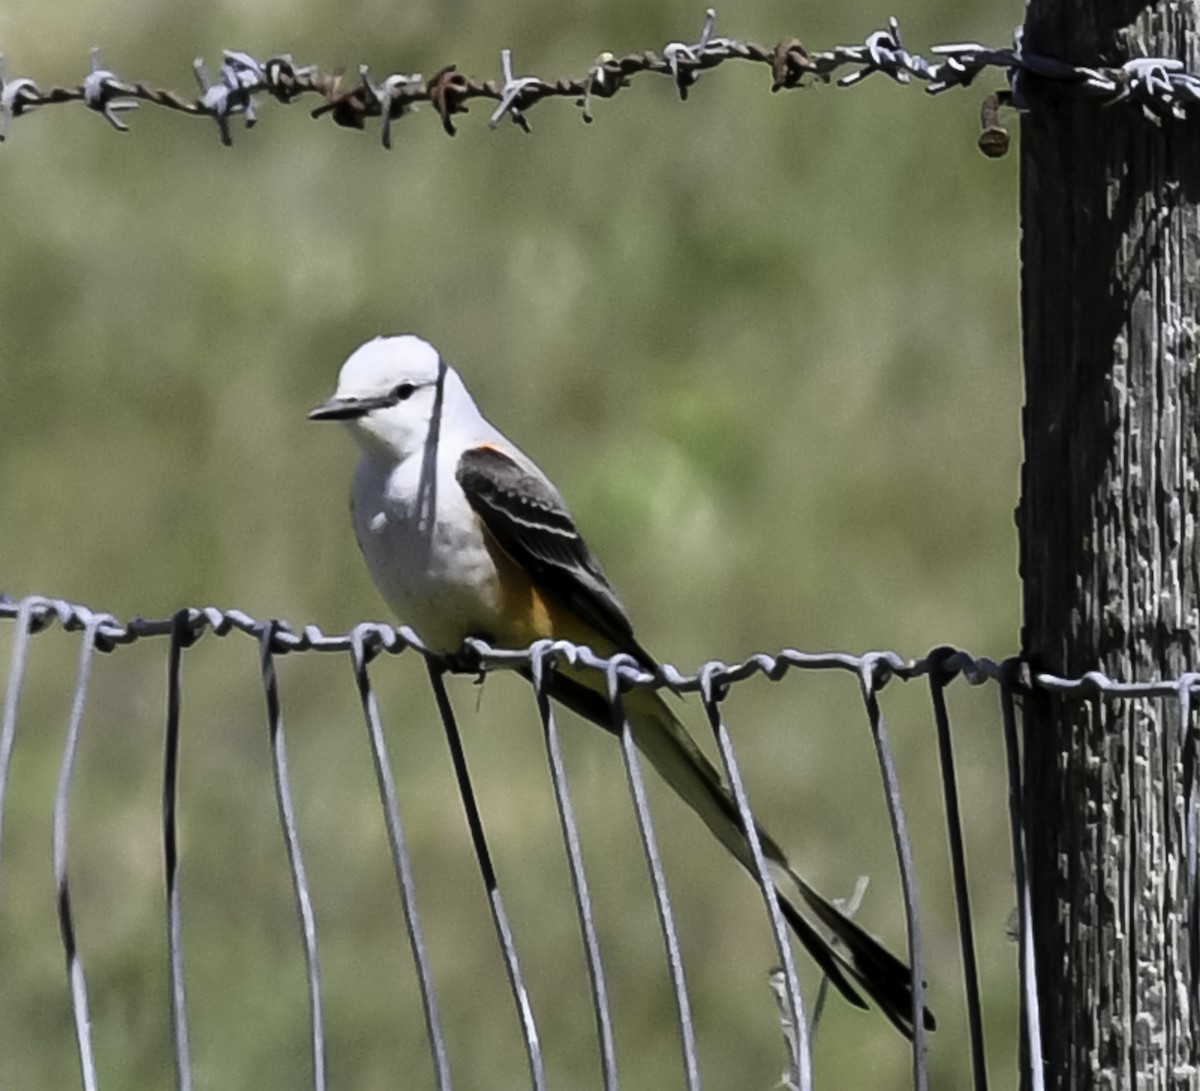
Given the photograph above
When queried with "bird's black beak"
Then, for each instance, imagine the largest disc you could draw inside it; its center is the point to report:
(349, 408)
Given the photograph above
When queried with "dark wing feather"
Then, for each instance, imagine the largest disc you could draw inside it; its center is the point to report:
(530, 521)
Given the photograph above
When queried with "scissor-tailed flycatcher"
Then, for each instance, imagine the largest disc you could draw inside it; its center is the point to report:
(465, 536)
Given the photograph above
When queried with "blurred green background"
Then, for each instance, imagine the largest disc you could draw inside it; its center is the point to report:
(766, 344)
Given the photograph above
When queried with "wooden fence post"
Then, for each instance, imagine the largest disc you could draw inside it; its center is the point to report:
(1110, 257)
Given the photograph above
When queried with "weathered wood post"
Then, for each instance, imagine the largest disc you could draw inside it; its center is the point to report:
(1111, 276)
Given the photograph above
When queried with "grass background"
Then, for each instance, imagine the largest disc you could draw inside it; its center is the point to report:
(767, 345)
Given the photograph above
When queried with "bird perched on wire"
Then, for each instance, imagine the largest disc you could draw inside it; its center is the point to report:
(466, 537)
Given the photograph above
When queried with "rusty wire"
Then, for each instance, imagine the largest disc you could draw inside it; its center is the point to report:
(1160, 85)
(350, 104)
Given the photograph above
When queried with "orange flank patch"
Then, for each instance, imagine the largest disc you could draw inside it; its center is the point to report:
(532, 612)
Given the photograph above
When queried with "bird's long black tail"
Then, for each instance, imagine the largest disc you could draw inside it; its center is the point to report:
(857, 960)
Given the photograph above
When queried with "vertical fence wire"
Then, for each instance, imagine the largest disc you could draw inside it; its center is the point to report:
(579, 885)
(869, 676)
(958, 864)
(182, 637)
(533, 1048)
(62, 821)
(360, 657)
(291, 840)
(1187, 736)
(801, 1074)
(658, 879)
(12, 703)
(1031, 1022)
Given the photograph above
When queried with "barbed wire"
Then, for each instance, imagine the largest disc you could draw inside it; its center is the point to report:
(1160, 85)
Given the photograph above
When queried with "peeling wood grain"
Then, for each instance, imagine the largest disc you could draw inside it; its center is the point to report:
(1111, 301)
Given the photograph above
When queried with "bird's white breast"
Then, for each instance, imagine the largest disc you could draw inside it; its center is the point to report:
(426, 554)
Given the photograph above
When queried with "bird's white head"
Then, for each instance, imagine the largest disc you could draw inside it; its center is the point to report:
(390, 390)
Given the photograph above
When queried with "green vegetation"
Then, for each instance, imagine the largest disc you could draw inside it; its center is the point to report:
(768, 346)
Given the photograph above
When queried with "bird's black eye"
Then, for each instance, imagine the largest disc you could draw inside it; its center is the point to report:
(404, 391)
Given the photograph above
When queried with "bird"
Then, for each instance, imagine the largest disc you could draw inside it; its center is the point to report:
(465, 536)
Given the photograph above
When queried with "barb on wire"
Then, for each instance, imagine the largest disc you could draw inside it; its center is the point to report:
(602, 82)
(685, 61)
(512, 91)
(391, 102)
(102, 91)
(1161, 86)
(233, 93)
(17, 97)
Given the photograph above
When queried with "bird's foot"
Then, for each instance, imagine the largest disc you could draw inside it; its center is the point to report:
(466, 660)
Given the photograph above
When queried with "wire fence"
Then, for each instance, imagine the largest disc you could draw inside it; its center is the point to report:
(1160, 85)
(712, 683)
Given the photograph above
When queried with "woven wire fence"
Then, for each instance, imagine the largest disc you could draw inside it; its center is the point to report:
(711, 684)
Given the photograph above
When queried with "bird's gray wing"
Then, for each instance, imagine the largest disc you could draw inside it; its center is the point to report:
(532, 524)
